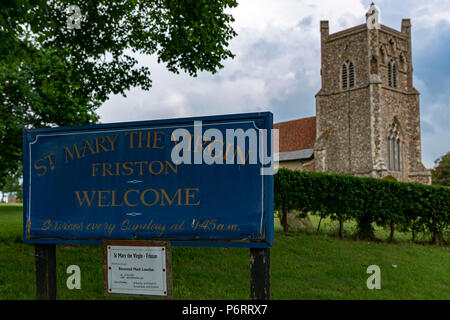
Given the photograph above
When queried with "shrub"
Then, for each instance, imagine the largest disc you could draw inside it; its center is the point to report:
(412, 206)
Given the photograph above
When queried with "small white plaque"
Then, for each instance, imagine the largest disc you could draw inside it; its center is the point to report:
(137, 270)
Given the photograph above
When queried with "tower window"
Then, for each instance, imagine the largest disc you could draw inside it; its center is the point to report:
(351, 76)
(389, 74)
(392, 74)
(344, 77)
(348, 75)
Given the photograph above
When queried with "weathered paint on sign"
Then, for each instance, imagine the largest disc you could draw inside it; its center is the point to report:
(119, 181)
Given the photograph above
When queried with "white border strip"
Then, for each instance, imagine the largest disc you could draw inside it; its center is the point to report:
(137, 129)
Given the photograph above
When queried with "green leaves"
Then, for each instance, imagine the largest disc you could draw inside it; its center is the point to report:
(53, 75)
(411, 205)
(441, 173)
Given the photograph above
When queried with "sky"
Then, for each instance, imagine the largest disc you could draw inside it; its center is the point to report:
(277, 66)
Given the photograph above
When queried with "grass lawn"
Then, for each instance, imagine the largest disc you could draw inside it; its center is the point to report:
(304, 265)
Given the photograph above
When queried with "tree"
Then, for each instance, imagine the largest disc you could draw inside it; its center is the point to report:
(52, 74)
(440, 175)
(13, 185)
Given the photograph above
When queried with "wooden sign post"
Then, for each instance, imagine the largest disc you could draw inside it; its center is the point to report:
(260, 274)
(45, 255)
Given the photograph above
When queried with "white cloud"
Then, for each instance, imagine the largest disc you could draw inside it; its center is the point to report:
(434, 145)
(435, 137)
(277, 65)
(277, 50)
(428, 14)
(260, 15)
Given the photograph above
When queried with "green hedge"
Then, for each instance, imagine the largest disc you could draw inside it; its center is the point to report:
(412, 206)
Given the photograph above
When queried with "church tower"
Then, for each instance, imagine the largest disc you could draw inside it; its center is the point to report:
(367, 110)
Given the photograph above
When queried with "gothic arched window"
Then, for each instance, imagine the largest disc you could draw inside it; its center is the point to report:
(351, 75)
(392, 74)
(394, 146)
(389, 74)
(344, 77)
(348, 75)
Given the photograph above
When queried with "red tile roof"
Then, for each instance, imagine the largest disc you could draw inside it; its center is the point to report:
(297, 134)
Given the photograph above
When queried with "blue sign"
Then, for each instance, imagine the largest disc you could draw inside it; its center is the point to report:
(193, 181)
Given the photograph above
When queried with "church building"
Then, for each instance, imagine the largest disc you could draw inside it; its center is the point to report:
(367, 119)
